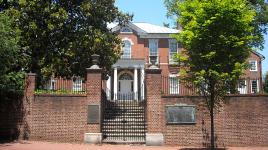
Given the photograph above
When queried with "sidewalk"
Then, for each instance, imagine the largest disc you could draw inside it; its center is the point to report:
(32, 145)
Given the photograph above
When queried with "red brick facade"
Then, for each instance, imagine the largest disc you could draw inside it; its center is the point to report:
(140, 50)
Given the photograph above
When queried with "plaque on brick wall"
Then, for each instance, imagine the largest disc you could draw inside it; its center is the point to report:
(180, 114)
(93, 114)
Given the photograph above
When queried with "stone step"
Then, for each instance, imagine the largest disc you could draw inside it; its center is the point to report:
(109, 115)
(121, 140)
(122, 108)
(125, 119)
(123, 134)
(134, 127)
(127, 131)
(140, 117)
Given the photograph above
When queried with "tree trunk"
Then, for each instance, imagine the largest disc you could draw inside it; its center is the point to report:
(212, 100)
(212, 128)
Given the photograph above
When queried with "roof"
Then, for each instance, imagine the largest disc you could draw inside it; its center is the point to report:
(258, 54)
(150, 28)
(146, 28)
(128, 63)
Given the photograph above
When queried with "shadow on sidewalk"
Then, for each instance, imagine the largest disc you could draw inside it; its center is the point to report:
(202, 149)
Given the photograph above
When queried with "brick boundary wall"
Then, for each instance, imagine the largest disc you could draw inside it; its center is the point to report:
(59, 118)
(62, 118)
(242, 121)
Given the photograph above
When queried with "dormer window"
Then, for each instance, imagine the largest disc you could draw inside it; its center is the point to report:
(126, 30)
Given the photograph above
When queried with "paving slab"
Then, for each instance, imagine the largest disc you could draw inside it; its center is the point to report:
(34, 145)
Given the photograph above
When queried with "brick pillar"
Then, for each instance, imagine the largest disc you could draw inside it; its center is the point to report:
(30, 82)
(154, 107)
(94, 86)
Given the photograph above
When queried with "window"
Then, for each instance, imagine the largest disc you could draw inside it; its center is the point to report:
(254, 86)
(126, 49)
(52, 84)
(173, 84)
(77, 84)
(153, 48)
(253, 65)
(173, 47)
(126, 30)
(180, 114)
(242, 87)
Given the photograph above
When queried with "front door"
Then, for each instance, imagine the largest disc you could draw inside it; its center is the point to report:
(125, 86)
(125, 89)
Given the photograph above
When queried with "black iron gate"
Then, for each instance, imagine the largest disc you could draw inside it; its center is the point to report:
(124, 119)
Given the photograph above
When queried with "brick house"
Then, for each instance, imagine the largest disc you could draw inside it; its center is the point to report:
(88, 114)
(142, 40)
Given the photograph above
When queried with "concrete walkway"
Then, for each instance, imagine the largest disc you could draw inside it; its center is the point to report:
(32, 145)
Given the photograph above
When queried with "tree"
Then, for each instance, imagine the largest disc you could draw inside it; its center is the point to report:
(265, 85)
(260, 20)
(59, 37)
(217, 36)
(11, 75)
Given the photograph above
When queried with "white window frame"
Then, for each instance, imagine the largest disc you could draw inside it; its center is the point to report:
(52, 84)
(171, 54)
(251, 87)
(256, 65)
(242, 90)
(77, 84)
(173, 87)
(155, 41)
(130, 50)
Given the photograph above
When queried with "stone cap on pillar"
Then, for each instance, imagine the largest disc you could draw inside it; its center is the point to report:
(31, 74)
(153, 71)
(94, 70)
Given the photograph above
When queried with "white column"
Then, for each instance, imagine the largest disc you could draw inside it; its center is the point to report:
(115, 83)
(135, 84)
(108, 88)
(142, 83)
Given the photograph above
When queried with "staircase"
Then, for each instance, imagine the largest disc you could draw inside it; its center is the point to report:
(124, 122)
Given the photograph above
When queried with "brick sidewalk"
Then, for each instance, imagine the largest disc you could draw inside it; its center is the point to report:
(31, 145)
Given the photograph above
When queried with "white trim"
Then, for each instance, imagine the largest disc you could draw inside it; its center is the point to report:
(130, 49)
(157, 51)
(115, 83)
(251, 89)
(128, 28)
(170, 59)
(128, 39)
(173, 87)
(242, 90)
(256, 65)
(135, 84)
(77, 84)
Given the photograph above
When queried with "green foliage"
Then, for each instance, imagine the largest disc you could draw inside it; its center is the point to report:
(11, 75)
(265, 85)
(259, 23)
(60, 36)
(59, 92)
(217, 36)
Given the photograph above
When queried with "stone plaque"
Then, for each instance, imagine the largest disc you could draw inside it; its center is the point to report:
(93, 114)
(180, 114)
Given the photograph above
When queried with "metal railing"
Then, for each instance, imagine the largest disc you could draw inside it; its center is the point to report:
(175, 86)
(60, 85)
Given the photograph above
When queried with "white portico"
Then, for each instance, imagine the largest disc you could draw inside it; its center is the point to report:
(127, 80)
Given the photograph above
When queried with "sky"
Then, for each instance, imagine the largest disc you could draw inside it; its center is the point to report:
(154, 12)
